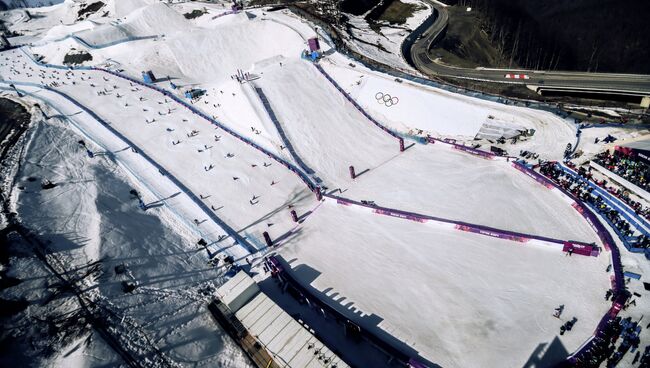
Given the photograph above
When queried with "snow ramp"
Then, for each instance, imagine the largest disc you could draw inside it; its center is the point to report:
(328, 132)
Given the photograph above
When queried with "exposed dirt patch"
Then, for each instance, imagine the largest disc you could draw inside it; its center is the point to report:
(394, 12)
(465, 44)
(578, 35)
(89, 9)
(76, 57)
(195, 13)
(358, 7)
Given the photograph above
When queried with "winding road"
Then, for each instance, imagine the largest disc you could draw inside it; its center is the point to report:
(418, 43)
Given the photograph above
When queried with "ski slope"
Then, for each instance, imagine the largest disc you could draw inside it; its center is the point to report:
(326, 130)
(460, 299)
(445, 114)
(90, 216)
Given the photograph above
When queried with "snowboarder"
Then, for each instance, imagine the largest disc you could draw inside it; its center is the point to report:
(558, 311)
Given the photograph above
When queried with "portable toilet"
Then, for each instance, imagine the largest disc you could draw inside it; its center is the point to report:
(148, 77)
(313, 44)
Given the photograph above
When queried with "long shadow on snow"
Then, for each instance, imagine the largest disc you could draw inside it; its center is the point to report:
(129, 234)
(369, 322)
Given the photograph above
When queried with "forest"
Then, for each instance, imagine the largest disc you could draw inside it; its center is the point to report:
(580, 35)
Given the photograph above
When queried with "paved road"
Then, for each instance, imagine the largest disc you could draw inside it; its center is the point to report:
(624, 83)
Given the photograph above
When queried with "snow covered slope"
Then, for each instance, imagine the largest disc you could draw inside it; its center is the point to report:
(460, 299)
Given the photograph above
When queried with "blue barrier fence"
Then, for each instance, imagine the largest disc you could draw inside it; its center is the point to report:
(283, 136)
(614, 203)
(103, 45)
(229, 230)
(639, 222)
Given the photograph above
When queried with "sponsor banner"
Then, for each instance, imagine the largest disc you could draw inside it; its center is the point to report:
(400, 215)
(582, 249)
(474, 151)
(492, 233)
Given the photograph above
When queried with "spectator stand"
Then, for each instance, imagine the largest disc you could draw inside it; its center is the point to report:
(623, 223)
(627, 166)
(641, 224)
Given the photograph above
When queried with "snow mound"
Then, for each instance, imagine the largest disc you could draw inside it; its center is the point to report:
(61, 30)
(156, 18)
(122, 8)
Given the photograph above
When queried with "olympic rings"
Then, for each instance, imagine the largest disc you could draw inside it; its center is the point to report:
(386, 99)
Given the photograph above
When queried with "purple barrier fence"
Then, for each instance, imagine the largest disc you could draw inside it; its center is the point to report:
(460, 147)
(474, 228)
(354, 103)
(225, 13)
(618, 285)
(533, 174)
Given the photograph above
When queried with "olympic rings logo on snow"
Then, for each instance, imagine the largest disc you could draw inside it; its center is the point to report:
(386, 99)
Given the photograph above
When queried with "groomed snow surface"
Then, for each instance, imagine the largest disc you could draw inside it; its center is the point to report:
(460, 299)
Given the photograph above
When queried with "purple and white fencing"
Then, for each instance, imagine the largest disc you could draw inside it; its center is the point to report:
(579, 248)
(617, 280)
(355, 104)
(472, 151)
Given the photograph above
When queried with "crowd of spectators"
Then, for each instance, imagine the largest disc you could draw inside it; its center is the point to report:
(584, 192)
(634, 170)
(604, 346)
(620, 193)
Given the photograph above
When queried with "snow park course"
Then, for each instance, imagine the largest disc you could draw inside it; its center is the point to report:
(241, 150)
(459, 299)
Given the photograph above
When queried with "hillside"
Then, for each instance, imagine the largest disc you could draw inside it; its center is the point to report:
(582, 35)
